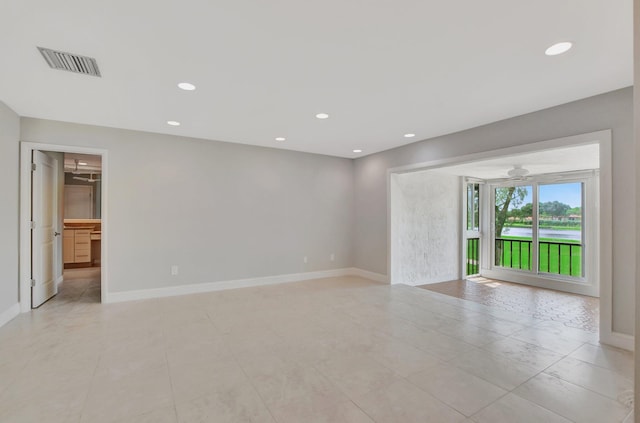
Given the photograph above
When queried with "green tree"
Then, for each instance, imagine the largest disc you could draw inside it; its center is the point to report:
(554, 208)
(506, 198)
(574, 210)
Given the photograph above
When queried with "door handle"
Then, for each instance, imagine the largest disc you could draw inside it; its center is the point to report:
(56, 234)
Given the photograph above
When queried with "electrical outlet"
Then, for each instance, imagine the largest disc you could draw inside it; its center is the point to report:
(174, 270)
(332, 257)
(305, 259)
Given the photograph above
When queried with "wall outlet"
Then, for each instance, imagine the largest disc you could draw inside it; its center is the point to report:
(174, 270)
(305, 259)
(332, 257)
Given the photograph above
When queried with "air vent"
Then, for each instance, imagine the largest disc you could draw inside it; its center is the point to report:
(70, 62)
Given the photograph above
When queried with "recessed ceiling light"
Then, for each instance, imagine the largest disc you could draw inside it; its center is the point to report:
(173, 123)
(281, 139)
(357, 151)
(82, 163)
(322, 116)
(409, 135)
(186, 86)
(558, 48)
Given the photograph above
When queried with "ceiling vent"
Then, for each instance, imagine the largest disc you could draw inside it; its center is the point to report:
(70, 62)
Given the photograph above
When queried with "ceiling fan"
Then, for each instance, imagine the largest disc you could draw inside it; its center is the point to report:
(518, 173)
(89, 179)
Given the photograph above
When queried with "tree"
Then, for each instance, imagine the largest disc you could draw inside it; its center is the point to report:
(554, 208)
(506, 197)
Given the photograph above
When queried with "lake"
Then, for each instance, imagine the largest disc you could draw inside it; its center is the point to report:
(544, 233)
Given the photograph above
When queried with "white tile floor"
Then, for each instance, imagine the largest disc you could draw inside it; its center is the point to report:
(332, 350)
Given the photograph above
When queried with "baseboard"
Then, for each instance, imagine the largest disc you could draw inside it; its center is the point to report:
(170, 291)
(618, 340)
(378, 277)
(8, 315)
(59, 280)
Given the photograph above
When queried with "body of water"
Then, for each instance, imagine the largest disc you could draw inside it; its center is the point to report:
(544, 233)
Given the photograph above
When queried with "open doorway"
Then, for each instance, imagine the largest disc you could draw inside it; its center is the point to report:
(537, 245)
(63, 224)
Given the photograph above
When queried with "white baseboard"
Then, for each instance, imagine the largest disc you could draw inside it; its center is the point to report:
(170, 291)
(618, 340)
(59, 280)
(378, 277)
(7, 315)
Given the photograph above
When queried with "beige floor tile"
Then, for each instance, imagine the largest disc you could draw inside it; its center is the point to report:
(404, 402)
(595, 378)
(571, 401)
(343, 412)
(119, 395)
(330, 350)
(190, 380)
(555, 340)
(401, 357)
(460, 390)
(511, 408)
(494, 368)
(528, 354)
(297, 386)
(356, 374)
(239, 405)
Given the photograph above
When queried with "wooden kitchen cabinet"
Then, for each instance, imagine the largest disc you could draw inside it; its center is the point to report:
(68, 249)
(76, 245)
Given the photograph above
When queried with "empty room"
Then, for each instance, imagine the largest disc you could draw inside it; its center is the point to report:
(391, 211)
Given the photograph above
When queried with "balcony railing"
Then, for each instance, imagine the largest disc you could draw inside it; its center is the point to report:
(561, 258)
(473, 256)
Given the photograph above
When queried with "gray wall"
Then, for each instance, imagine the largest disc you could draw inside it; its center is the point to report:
(9, 154)
(607, 111)
(219, 211)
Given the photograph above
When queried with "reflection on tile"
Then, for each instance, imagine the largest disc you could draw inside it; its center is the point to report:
(511, 408)
(607, 357)
(571, 401)
(598, 379)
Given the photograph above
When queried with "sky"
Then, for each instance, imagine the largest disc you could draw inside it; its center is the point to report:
(567, 193)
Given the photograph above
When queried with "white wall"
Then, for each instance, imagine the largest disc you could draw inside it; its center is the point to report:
(219, 211)
(9, 155)
(425, 210)
(607, 111)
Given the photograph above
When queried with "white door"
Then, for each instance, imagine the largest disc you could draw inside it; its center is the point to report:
(43, 216)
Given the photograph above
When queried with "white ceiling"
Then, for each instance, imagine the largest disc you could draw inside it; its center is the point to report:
(93, 163)
(585, 157)
(263, 69)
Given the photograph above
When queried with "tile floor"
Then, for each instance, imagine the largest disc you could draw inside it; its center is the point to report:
(331, 350)
(576, 311)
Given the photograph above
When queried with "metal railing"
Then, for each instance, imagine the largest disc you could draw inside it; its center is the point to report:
(473, 256)
(561, 258)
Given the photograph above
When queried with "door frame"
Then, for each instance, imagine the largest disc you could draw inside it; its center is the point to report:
(26, 149)
(603, 139)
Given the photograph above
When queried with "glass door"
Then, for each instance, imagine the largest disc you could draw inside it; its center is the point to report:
(472, 234)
